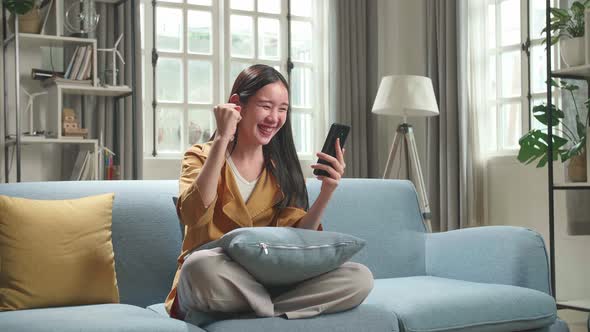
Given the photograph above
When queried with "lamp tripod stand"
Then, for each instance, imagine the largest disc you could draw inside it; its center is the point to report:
(404, 136)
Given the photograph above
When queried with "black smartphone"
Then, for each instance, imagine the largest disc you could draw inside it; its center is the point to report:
(336, 131)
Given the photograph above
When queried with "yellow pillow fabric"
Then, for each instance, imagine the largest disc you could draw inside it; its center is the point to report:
(56, 252)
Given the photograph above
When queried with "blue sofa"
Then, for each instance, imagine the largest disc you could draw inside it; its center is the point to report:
(478, 279)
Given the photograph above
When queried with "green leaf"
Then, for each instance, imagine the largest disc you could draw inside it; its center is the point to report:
(19, 7)
(560, 13)
(573, 151)
(534, 145)
(540, 113)
(578, 8)
(554, 82)
(580, 127)
(569, 87)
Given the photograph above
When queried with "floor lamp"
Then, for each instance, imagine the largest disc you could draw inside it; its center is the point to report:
(407, 95)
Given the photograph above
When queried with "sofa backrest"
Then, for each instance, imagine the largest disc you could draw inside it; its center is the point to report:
(146, 235)
(386, 214)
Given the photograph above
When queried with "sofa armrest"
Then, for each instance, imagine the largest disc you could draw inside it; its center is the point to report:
(492, 254)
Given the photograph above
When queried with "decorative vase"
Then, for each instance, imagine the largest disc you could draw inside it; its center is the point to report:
(576, 169)
(27, 23)
(572, 51)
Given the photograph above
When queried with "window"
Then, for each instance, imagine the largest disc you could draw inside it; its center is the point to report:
(515, 79)
(202, 45)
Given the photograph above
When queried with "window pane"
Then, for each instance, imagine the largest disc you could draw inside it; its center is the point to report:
(511, 125)
(268, 38)
(242, 36)
(511, 74)
(489, 141)
(302, 132)
(199, 32)
(169, 80)
(301, 87)
(236, 69)
(491, 26)
(269, 6)
(510, 22)
(535, 124)
(173, 1)
(537, 22)
(200, 83)
(148, 133)
(200, 2)
(169, 129)
(491, 79)
(538, 69)
(242, 4)
(169, 29)
(301, 7)
(301, 41)
(200, 125)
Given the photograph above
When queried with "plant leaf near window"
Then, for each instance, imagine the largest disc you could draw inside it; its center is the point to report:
(19, 7)
(566, 142)
(567, 23)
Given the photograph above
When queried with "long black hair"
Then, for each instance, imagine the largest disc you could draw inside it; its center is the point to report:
(280, 155)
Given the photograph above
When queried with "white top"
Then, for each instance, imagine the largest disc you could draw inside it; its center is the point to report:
(244, 186)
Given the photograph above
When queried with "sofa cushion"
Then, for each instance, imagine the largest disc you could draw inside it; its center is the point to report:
(428, 304)
(278, 256)
(364, 318)
(56, 252)
(91, 318)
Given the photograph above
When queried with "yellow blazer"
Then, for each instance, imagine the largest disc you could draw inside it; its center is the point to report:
(227, 211)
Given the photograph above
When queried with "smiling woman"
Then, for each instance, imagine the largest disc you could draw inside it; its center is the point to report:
(248, 175)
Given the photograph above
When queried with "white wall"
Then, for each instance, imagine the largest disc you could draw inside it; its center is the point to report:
(518, 196)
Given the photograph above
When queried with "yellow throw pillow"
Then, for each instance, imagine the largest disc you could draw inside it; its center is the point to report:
(56, 252)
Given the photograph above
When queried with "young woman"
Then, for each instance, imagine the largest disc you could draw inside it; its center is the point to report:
(249, 175)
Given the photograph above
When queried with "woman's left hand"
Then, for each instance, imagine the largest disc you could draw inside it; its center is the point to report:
(336, 169)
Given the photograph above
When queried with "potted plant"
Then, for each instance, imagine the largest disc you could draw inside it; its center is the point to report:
(29, 14)
(568, 143)
(567, 26)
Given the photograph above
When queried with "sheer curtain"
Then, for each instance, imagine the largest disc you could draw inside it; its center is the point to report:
(473, 75)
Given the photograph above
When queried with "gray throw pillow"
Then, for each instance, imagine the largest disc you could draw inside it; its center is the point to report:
(278, 256)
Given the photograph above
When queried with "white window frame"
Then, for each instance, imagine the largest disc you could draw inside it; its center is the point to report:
(498, 101)
(221, 59)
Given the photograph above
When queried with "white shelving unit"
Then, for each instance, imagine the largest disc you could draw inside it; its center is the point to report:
(578, 73)
(27, 44)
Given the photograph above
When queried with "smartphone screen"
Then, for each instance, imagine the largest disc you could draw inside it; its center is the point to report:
(336, 131)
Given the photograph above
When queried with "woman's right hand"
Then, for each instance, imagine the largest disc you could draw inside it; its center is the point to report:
(227, 117)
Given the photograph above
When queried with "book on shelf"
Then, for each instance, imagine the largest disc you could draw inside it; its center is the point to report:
(41, 74)
(88, 169)
(78, 66)
(71, 63)
(85, 64)
(81, 161)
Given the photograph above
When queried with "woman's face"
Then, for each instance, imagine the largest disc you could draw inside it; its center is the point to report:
(264, 114)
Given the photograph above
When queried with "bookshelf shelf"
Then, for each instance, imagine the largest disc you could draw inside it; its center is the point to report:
(26, 140)
(580, 72)
(38, 40)
(581, 305)
(77, 68)
(89, 90)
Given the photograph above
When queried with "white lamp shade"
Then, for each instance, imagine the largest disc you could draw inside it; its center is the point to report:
(405, 95)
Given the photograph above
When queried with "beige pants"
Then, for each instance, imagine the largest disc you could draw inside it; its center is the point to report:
(210, 281)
